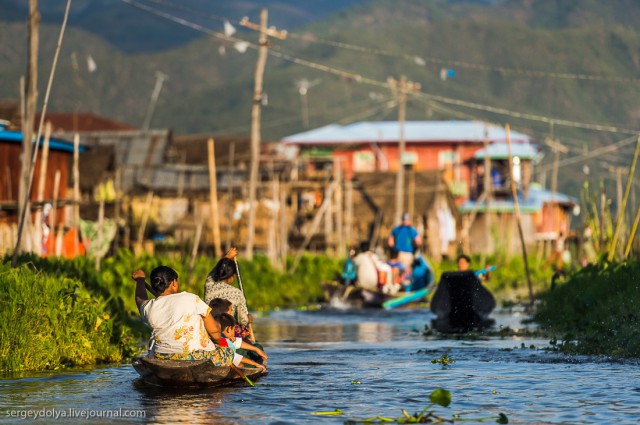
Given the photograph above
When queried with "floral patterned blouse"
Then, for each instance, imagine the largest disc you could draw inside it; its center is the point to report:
(177, 324)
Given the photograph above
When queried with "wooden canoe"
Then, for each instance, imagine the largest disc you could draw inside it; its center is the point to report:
(189, 373)
(461, 303)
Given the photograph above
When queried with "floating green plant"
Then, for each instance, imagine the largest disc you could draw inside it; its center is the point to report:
(440, 397)
(444, 360)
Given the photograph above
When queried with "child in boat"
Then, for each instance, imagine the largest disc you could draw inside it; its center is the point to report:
(222, 305)
(227, 325)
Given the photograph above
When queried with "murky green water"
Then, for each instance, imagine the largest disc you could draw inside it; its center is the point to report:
(314, 357)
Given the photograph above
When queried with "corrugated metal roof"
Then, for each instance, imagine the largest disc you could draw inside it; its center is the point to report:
(534, 202)
(415, 132)
(54, 144)
(500, 151)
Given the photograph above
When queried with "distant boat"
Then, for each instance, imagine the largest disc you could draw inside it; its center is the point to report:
(356, 297)
(461, 303)
(189, 373)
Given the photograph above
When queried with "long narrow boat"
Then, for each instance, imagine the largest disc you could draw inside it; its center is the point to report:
(189, 373)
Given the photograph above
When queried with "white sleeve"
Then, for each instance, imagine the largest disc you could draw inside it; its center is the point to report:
(237, 343)
(237, 358)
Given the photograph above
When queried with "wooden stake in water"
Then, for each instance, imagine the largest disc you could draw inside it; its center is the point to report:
(517, 208)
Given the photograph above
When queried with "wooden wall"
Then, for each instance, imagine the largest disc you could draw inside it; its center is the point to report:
(10, 154)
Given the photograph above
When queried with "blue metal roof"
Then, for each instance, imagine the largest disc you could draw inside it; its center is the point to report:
(415, 132)
(500, 151)
(54, 144)
(538, 196)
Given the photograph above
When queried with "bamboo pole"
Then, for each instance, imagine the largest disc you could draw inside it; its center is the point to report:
(144, 219)
(402, 108)
(271, 231)
(118, 205)
(54, 210)
(338, 194)
(488, 191)
(349, 212)
(213, 199)
(76, 192)
(23, 211)
(284, 243)
(232, 151)
(517, 208)
(314, 226)
(196, 244)
(328, 218)
(100, 232)
(619, 224)
(41, 181)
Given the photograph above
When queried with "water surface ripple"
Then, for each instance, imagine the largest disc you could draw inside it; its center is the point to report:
(315, 356)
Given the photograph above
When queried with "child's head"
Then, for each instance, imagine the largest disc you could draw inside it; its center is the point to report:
(227, 324)
(220, 305)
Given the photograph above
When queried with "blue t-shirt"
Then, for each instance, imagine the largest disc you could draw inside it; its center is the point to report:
(404, 237)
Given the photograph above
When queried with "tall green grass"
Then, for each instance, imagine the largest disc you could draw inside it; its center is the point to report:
(597, 311)
(48, 321)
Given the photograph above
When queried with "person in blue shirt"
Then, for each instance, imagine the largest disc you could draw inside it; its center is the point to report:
(405, 239)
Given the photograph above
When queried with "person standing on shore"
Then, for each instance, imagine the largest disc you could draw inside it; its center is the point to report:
(405, 239)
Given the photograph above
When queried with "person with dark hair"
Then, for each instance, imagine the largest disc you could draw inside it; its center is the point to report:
(464, 262)
(219, 284)
(228, 324)
(405, 239)
(182, 327)
(219, 306)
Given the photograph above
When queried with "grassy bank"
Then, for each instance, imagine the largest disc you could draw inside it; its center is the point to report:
(48, 321)
(60, 312)
(596, 312)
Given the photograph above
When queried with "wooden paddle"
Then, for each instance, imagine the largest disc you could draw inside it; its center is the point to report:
(251, 335)
(242, 375)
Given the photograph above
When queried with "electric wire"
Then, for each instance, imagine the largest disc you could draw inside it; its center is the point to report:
(416, 58)
(361, 79)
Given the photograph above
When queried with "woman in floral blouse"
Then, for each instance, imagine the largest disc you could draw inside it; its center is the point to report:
(181, 323)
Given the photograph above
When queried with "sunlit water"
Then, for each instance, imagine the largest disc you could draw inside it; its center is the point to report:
(315, 356)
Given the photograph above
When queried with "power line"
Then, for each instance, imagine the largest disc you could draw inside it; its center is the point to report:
(591, 154)
(361, 79)
(420, 59)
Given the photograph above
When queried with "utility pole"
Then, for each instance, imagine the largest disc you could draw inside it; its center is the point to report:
(160, 77)
(255, 118)
(28, 120)
(400, 88)
(557, 148)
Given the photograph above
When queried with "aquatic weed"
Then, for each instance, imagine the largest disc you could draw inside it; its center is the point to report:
(439, 396)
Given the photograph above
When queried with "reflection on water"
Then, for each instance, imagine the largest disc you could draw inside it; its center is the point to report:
(314, 356)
